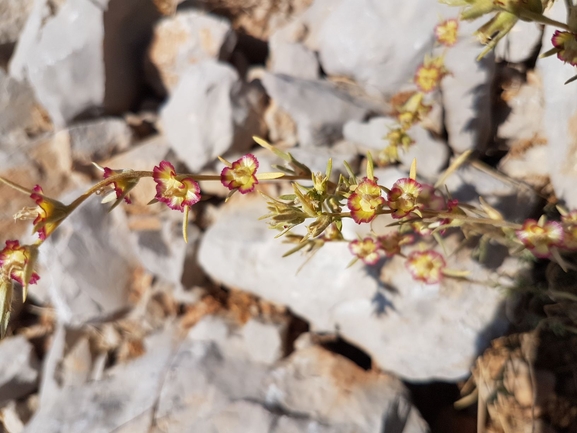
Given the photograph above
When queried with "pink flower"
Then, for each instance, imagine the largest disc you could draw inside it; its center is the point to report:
(121, 186)
(565, 44)
(241, 175)
(365, 201)
(391, 243)
(426, 266)
(540, 237)
(403, 197)
(16, 263)
(177, 192)
(49, 213)
(446, 32)
(366, 250)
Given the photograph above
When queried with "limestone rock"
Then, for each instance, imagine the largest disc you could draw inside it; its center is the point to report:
(18, 369)
(97, 139)
(188, 38)
(13, 16)
(209, 113)
(317, 107)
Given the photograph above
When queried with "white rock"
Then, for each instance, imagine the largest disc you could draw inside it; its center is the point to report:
(186, 38)
(378, 44)
(289, 56)
(209, 113)
(88, 264)
(97, 139)
(70, 62)
(16, 111)
(254, 341)
(317, 107)
(334, 298)
(530, 166)
(559, 118)
(431, 154)
(466, 92)
(13, 16)
(124, 398)
(520, 43)
(18, 369)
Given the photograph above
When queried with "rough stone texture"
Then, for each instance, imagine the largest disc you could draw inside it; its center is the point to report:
(187, 38)
(85, 56)
(13, 15)
(88, 264)
(431, 154)
(530, 166)
(289, 56)
(560, 117)
(18, 369)
(209, 113)
(254, 341)
(520, 43)
(317, 107)
(418, 331)
(95, 140)
(466, 92)
(17, 111)
(186, 384)
(377, 43)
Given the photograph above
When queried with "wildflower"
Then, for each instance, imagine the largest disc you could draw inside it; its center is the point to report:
(391, 243)
(426, 266)
(413, 110)
(430, 73)
(403, 197)
(565, 44)
(446, 32)
(121, 186)
(365, 201)
(366, 250)
(16, 263)
(431, 199)
(398, 137)
(49, 213)
(177, 192)
(540, 237)
(241, 174)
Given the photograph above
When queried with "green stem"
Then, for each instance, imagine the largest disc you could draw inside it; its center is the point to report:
(542, 19)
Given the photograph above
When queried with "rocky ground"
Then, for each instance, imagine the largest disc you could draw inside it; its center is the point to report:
(132, 330)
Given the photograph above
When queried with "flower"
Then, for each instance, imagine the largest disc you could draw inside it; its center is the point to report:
(446, 32)
(391, 243)
(540, 237)
(241, 174)
(16, 263)
(398, 137)
(412, 111)
(565, 44)
(366, 250)
(121, 186)
(426, 266)
(402, 197)
(430, 73)
(365, 201)
(49, 213)
(177, 192)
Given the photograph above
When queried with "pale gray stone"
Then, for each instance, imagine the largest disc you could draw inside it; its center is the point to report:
(560, 116)
(466, 92)
(88, 264)
(209, 113)
(186, 38)
(289, 56)
(84, 55)
(377, 43)
(18, 368)
(317, 107)
(98, 139)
